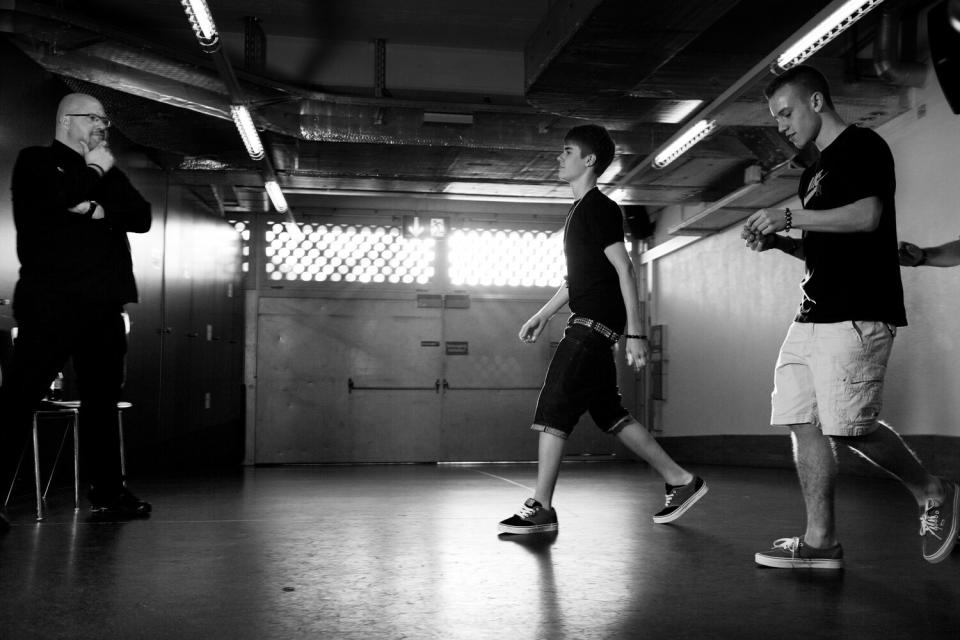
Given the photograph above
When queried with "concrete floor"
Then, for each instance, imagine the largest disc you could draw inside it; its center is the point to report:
(412, 552)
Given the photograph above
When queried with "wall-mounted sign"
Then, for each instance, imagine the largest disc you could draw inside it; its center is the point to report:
(454, 301)
(429, 301)
(424, 227)
(458, 348)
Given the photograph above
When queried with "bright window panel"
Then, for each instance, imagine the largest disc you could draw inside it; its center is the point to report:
(243, 230)
(366, 254)
(506, 258)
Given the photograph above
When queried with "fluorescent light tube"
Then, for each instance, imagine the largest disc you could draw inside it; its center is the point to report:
(678, 147)
(276, 195)
(201, 20)
(836, 23)
(248, 132)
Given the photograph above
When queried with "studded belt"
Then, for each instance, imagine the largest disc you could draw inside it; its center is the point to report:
(602, 329)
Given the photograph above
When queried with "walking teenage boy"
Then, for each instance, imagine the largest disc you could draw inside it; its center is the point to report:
(828, 378)
(602, 293)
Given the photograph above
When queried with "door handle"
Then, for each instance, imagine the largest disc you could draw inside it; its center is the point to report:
(352, 386)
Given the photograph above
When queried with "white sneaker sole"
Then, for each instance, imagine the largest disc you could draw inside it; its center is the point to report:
(536, 528)
(798, 563)
(670, 517)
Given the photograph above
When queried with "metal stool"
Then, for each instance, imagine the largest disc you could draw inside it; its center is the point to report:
(69, 409)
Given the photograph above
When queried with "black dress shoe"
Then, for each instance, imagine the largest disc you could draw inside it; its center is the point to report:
(120, 503)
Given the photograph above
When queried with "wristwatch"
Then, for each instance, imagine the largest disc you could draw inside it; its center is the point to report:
(92, 208)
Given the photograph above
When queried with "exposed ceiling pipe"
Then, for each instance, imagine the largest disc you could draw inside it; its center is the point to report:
(48, 27)
(886, 55)
(156, 74)
(286, 110)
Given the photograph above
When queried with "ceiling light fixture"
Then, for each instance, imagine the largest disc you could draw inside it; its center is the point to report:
(681, 144)
(248, 131)
(276, 195)
(828, 29)
(198, 13)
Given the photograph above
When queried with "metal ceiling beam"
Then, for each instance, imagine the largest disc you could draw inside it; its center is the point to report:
(737, 194)
(613, 51)
(560, 25)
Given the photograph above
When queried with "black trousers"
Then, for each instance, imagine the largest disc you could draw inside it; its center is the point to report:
(52, 330)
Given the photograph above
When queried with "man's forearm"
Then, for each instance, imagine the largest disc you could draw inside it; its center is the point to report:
(38, 185)
(631, 301)
(790, 246)
(554, 304)
(944, 255)
(125, 208)
(860, 216)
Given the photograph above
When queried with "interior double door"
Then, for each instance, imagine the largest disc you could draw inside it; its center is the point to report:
(396, 380)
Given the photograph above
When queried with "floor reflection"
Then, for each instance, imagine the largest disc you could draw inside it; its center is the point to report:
(412, 552)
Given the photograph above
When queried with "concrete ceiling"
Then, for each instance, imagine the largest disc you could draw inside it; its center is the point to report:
(521, 73)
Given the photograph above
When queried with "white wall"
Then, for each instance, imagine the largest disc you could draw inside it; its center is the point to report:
(727, 309)
(923, 383)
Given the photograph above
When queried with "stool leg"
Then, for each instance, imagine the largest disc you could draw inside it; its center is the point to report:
(36, 468)
(76, 460)
(56, 460)
(16, 472)
(123, 457)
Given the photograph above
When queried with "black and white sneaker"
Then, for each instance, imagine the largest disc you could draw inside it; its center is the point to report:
(793, 553)
(531, 518)
(939, 524)
(679, 499)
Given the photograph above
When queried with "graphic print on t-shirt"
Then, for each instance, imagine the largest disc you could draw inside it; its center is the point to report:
(814, 188)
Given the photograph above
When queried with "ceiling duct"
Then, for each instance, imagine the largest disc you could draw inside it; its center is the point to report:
(887, 52)
(84, 52)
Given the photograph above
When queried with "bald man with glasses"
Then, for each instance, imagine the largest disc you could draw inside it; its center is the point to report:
(73, 208)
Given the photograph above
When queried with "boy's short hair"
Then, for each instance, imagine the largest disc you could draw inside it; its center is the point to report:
(592, 138)
(805, 76)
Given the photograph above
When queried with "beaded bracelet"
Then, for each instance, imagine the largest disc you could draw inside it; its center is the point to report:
(789, 216)
(634, 336)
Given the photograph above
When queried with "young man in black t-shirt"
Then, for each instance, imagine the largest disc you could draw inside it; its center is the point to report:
(602, 293)
(829, 375)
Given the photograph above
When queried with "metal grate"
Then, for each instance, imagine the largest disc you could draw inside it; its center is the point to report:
(348, 253)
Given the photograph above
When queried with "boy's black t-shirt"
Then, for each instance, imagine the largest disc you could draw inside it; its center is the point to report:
(594, 223)
(852, 276)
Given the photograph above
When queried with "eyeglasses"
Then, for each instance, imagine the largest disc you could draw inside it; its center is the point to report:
(104, 120)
